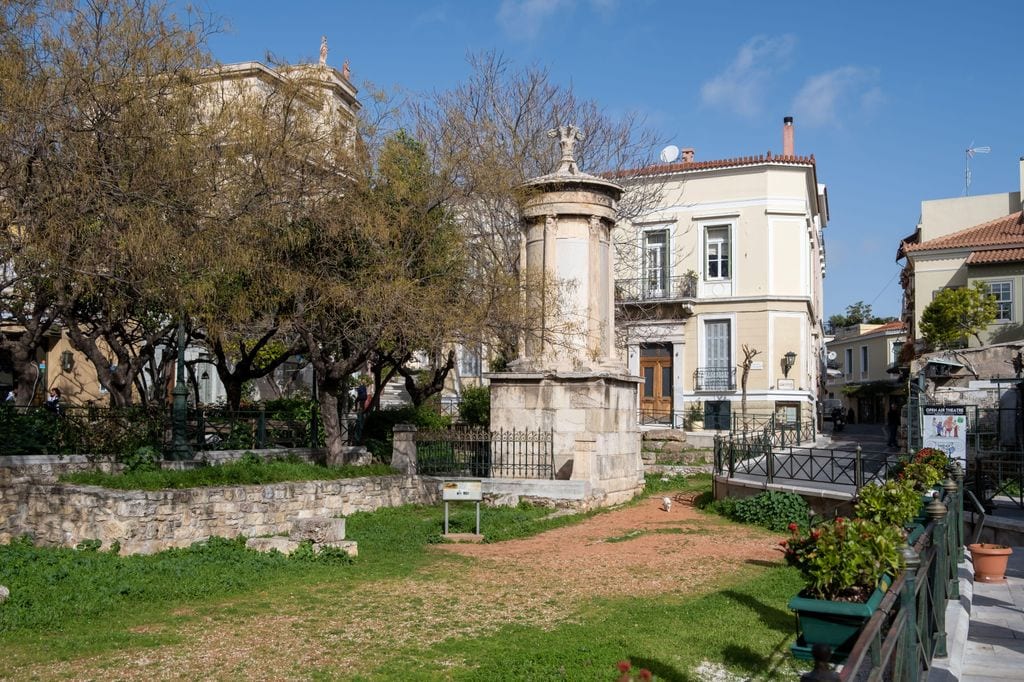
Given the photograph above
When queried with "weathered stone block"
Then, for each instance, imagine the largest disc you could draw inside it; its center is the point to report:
(347, 546)
(319, 529)
(282, 545)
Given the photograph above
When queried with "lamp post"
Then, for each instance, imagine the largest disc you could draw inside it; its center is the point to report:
(179, 442)
(788, 360)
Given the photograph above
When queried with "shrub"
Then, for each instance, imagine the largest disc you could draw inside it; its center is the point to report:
(142, 459)
(475, 408)
(844, 560)
(772, 510)
(894, 503)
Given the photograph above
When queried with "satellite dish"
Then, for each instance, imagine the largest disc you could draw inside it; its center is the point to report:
(832, 355)
(669, 154)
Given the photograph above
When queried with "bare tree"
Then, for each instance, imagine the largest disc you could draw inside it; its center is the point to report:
(749, 353)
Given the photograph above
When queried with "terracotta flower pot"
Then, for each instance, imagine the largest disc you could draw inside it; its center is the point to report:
(989, 562)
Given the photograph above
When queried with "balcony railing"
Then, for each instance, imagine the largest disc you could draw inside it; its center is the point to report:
(714, 379)
(647, 289)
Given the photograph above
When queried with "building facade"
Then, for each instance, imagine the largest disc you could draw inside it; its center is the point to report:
(728, 266)
(960, 242)
(864, 378)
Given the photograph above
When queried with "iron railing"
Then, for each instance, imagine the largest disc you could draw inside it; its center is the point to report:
(714, 379)
(758, 457)
(479, 453)
(114, 431)
(655, 289)
(778, 428)
(908, 630)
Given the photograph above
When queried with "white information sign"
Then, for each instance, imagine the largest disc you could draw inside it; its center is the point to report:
(472, 491)
(944, 427)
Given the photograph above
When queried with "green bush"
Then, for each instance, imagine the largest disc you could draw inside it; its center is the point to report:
(379, 426)
(772, 510)
(894, 503)
(142, 459)
(475, 408)
(845, 559)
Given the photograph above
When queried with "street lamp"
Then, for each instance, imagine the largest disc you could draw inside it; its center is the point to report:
(179, 412)
(788, 360)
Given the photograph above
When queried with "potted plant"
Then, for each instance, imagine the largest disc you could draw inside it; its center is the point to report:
(695, 417)
(989, 562)
(848, 565)
(895, 502)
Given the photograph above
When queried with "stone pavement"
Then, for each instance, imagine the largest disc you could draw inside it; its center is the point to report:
(985, 630)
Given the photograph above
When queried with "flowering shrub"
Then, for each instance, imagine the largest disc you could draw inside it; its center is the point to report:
(933, 457)
(924, 470)
(844, 560)
(895, 502)
(626, 673)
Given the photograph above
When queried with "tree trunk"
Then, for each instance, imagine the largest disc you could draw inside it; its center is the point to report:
(334, 433)
(27, 376)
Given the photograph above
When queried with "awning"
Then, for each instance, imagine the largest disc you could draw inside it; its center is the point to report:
(944, 361)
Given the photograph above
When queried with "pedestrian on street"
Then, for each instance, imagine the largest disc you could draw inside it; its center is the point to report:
(893, 423)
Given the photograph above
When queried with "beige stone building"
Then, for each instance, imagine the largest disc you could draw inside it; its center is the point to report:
(863, 377)
(965, 240)
(731, 257)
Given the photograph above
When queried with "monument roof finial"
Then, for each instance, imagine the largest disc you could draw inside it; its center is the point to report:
(567, 136)
(323, 50)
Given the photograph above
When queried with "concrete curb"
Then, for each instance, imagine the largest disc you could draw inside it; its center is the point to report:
(958, 623)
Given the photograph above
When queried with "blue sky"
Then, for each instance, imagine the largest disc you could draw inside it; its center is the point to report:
(886, 95)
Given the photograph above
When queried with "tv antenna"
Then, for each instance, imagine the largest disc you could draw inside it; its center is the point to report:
(969, 154)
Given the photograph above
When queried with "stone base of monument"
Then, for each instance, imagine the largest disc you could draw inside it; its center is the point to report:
(592, 418)
(321, 531)
(463, 537)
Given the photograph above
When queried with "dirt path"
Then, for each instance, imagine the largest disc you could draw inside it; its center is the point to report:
(543, 581)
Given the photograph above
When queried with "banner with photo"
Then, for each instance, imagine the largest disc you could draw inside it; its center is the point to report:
(944, 427)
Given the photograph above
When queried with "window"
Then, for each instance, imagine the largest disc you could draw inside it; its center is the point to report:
(717, 372)
(656, 263)
(716, 252)
(863, 361)
(469, 362)
(848, 366)
(894, 352)
(1003, 293)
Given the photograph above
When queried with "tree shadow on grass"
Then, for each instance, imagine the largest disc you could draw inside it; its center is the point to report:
(761, 667)
(762, 562)
(776, 619)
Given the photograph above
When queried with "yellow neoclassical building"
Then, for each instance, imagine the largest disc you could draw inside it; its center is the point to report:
(730, 257)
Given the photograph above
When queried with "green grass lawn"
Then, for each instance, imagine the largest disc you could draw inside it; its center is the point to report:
(85, 612)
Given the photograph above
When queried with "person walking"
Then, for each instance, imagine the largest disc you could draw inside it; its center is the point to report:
(892, 423)
(53, 402)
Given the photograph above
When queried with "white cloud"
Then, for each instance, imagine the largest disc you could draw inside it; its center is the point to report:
(824, 98)
(523, 18)
(741, 86)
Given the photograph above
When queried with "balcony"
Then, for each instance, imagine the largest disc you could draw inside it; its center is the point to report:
(646, 289)
(714, 379)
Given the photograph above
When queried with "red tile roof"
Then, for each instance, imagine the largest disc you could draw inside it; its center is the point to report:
(683, 166)
(996, 256)
(1008, 230)
(889, 327)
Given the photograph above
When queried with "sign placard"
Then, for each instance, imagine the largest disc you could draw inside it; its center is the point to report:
(944, 427)
(786, 384)
(472, 491)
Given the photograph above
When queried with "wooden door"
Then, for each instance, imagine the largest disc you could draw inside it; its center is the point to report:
(656, 391)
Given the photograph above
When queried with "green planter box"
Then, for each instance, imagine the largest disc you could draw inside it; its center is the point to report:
(837, 624)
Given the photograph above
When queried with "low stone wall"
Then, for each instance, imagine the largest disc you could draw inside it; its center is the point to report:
(149, 521)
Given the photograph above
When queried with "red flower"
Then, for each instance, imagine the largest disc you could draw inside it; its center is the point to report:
(793, 527)
(624, 666)
(815, 534)
(645, 674)
(783, 543)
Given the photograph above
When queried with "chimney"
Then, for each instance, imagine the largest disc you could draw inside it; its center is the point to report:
(1022, 181)
(787, 136)
(687, 154)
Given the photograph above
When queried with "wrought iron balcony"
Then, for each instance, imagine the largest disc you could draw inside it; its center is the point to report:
(714, 379)
(648, 289)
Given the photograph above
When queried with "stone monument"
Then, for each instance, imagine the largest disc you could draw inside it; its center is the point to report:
(568, 379)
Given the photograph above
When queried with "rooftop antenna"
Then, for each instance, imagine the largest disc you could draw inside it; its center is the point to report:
(969, 154)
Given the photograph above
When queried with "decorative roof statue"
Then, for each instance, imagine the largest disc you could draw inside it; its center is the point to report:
(345, 71)
(568, 136)
(323, 50)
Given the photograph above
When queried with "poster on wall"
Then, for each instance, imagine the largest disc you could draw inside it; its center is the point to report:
(945, 428)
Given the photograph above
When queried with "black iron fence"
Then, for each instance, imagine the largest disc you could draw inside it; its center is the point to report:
(758, 457)
(655, 288)
(714, 379)
(909, 628)
(117, 431)
(479, 453)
